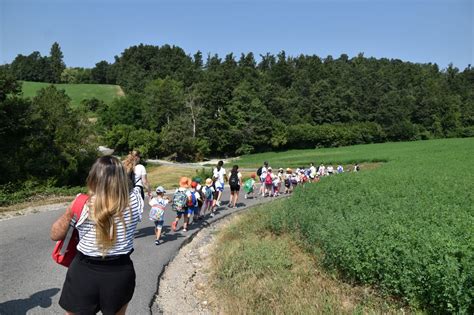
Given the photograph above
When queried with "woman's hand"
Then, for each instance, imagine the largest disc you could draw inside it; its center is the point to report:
(59, 228)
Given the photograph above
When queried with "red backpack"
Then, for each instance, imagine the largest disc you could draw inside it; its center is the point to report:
(268, 179)
(65, 250)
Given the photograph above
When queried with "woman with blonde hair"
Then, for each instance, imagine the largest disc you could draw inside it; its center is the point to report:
(102, 277)
(137, 172)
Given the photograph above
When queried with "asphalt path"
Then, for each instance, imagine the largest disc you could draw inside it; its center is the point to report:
(31, 281)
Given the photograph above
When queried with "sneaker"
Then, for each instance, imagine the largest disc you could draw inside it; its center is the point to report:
(157, 242)
(218, 203)
(212, 214)
(185, 230)
(245, 196)
(173, 225)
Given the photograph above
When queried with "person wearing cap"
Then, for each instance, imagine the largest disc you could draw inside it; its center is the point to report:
(208, 198)
(183, 212)
(157, 211)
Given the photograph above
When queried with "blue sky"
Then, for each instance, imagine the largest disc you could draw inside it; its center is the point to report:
(88, 31)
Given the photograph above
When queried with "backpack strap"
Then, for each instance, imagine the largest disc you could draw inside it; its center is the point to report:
(77, 206)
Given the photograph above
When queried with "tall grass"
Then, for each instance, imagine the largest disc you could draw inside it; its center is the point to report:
(255, 272)
(406, 227)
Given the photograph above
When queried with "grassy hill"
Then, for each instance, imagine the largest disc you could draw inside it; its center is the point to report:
(77, 92)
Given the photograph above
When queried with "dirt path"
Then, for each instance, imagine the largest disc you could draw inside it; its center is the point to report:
(184, 290)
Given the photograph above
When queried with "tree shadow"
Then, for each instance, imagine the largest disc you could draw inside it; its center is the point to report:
(21, 306)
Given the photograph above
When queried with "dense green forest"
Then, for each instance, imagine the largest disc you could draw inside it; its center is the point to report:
(189, 106)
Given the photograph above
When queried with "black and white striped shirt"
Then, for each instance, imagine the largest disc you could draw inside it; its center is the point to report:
(124, 243)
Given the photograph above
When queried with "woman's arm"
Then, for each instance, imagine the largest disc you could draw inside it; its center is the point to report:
(59, 228)
(146, 184)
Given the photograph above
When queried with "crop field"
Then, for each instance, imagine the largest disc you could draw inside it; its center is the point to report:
(406, 227)
(77, 92)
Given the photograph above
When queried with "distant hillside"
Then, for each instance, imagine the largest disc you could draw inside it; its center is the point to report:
(77, 92)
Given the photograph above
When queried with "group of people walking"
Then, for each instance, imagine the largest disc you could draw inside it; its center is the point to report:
(101, 276)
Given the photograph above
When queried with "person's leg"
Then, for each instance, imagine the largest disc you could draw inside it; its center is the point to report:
(236, 197)
(123, 310)
(186, 220)
(175, 222)
(158, 231)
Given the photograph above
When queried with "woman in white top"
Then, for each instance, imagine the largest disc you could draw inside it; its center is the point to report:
(102, 277)
(137, 172)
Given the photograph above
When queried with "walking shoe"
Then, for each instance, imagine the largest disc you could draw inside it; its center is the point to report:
(157, 242)
(185, 230)
(245, 196)
(212, 214)
(173, 226)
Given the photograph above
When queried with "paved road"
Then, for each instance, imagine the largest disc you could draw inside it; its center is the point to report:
(31, 281)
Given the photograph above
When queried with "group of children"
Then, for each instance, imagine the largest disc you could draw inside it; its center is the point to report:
(190, 200)
(194, 200)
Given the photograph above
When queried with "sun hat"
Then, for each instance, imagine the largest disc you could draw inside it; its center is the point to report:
(184, 182)
(194, 184)
(269, 168)
(160, 190)
(208, 181)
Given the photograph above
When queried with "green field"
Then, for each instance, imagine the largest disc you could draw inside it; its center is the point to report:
(406, 228)
(77, 92)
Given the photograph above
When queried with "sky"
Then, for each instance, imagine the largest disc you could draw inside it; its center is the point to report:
(88, 31)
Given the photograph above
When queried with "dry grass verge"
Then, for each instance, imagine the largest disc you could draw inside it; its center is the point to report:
(255, 271)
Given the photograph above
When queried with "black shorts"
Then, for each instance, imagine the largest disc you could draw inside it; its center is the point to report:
(235, 188)
(94, 285)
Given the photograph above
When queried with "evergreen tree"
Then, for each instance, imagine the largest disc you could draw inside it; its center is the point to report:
(57, 64)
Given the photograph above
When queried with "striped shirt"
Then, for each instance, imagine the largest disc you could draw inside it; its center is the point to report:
(125, 234)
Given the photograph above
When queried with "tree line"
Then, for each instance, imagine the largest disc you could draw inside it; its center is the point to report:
(189, 107)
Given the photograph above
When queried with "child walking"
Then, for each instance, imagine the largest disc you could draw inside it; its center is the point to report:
(157, 211)
(249, 186)
(208, 192)
(193, 203)
(181, 199)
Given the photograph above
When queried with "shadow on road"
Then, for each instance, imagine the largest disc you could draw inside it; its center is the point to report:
(145, 231)
(21, 306)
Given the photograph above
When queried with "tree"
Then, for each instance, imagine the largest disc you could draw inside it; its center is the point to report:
(56, 63)
(99, 72)
(164, 100)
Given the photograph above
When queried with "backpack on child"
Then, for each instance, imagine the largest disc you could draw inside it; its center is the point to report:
(268, 179)
(259, 171)
(192, 202)
(234, 179)
(208, 193)
(179, 201)
(248, 186)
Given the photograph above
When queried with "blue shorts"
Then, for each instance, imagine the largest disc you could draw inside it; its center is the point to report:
(159, 224)
(187, 211)
(194, 210)
(219, 186)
